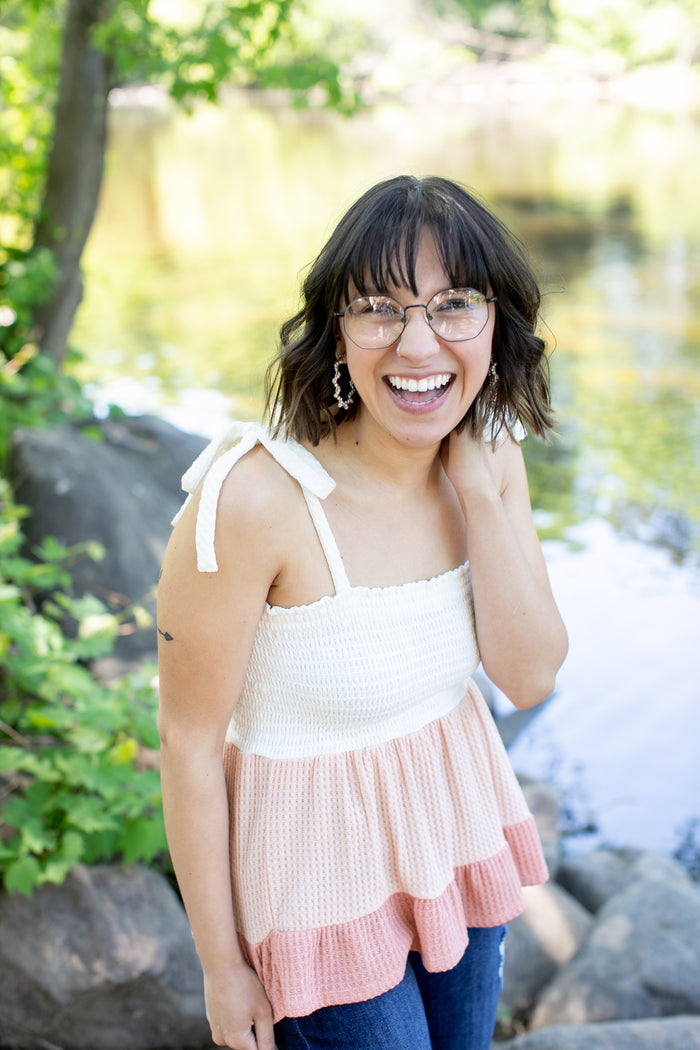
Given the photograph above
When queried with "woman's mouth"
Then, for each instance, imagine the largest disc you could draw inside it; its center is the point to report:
(419, 391)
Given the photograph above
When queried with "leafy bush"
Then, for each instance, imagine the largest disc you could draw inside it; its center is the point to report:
(78, 776)
(34, 392)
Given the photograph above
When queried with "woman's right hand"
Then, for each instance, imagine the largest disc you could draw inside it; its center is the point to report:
(239, 1012)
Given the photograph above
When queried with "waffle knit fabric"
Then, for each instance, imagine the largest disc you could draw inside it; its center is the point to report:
(373, 807)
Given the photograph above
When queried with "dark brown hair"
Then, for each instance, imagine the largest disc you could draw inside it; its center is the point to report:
(376, 244)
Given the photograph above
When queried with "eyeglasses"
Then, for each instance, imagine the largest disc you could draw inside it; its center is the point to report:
(374, 322)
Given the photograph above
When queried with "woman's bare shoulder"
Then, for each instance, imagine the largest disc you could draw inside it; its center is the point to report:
(258, 490)
(261, 510)
(258, 508)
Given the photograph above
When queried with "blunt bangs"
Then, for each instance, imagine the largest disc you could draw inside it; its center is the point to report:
(380, 245)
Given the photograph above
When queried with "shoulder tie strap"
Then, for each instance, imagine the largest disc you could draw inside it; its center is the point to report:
(327, 540)
(212, 467)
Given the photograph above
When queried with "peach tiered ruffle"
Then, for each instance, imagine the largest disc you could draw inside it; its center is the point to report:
(344, 863)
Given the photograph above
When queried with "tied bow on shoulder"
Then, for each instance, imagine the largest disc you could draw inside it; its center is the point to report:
(214, 463)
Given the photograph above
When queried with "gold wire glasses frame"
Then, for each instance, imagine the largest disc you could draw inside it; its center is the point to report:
(374, 322)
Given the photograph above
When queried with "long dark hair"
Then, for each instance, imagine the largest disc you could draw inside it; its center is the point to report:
(375, 244)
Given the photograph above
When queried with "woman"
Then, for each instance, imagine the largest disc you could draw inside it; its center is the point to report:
(347, 833)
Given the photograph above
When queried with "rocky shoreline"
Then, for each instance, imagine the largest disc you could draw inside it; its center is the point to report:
(606, 955)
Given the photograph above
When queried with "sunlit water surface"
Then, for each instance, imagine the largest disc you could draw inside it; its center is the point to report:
(204, 227)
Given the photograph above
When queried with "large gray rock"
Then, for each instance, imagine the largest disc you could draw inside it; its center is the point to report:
(544, 802)
(674, 1033)
(540, 941)
(641, 957)
(592, 878)
(104, 962)
(122, 490)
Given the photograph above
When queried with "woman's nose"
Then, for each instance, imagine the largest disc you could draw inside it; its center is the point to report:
(418, 341)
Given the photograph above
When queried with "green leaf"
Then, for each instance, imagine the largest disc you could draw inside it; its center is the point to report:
(90, 740)
(64, 859)
(8, 592)
(66, 680)
(22, 876)
(145, 728)
(101, 845)
(125, 752)
(36, 838)
(51, 550)
(37, 796)
(142, 617)
(19, 760)
(144, 838)
(17, 811)
(11, 758)
(89, 814)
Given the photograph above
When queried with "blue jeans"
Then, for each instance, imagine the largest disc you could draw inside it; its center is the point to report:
(454, 1010)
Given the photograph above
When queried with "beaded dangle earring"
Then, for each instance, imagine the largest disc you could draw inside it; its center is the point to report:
(344, 403)
(492, 384)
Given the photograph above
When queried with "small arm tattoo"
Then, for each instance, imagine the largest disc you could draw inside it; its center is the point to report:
(164, 634)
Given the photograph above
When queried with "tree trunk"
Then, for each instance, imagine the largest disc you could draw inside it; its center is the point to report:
(75, 168)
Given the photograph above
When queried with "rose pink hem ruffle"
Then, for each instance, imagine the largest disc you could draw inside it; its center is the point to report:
(305, 970)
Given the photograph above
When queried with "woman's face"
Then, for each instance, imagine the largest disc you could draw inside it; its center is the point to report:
(418, 389)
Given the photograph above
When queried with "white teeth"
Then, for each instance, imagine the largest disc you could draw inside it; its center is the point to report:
(414, 385)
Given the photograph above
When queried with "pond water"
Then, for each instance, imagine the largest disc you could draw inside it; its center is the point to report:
(205, 224)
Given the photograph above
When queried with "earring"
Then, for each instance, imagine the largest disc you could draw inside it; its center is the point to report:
(342, 403)
(492, 384)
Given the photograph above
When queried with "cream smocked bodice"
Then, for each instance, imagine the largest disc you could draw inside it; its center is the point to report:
(353, 669)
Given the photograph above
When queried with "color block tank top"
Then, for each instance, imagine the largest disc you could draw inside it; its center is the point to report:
(373, 807)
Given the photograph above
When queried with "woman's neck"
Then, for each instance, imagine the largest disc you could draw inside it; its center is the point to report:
(375, 459)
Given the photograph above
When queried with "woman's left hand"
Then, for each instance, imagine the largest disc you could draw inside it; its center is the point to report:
(473, 465)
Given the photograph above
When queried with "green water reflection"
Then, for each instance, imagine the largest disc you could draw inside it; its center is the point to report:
(206, 222)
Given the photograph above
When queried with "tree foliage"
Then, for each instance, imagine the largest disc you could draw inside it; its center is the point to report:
(29, 50)
(29, 54)
(53, 115)
(635, 31)
(511, 18)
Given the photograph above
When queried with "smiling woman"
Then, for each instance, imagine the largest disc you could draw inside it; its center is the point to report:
(368, 274)
(332, 584)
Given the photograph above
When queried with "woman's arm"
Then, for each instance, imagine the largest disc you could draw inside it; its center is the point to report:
(521, 636)
(206, 626)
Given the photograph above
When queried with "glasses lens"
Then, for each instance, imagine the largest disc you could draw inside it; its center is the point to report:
(374, 321)
(458, 313)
